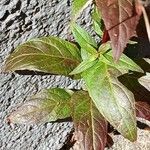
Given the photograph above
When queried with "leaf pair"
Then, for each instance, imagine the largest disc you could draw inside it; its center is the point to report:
(91, 53)
(53, 104)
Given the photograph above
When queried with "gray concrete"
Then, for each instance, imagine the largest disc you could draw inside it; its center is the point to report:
(21, 20)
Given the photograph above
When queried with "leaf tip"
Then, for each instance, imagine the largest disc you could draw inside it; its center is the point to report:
(132, 135)
(71, 73)
(140, 70)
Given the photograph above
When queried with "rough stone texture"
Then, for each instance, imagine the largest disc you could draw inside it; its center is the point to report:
(21, 20)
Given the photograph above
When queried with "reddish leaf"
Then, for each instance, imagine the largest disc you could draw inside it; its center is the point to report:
(90, 126)
(120, 19)
(143, 110)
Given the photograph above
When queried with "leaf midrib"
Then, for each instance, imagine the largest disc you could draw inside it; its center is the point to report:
(92, 125)
(33, 54)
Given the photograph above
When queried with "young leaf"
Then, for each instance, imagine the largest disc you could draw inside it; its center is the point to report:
(84, 65)
(48, 105)
(145, 81)
(82, 36)
(143, 110)
(47, 54)
(90, 126)
(98, 23)
(78, 6)
(120, 19)
(124, 65)
(114, 101)
(84, 39)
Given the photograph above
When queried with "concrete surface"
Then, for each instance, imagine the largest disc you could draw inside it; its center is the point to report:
(21, 20)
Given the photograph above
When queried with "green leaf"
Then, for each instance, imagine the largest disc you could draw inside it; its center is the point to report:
(84, 39)
(97, 28)
(47, 54)
(84, 65)
(124, 65)
(48, 105)
(82, 36)
(90, 126)
(98, 23)
(114, 101)
(145, 81)
(78, 6)
(84, 54)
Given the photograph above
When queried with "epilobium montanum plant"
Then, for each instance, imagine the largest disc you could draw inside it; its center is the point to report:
(112, 79)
